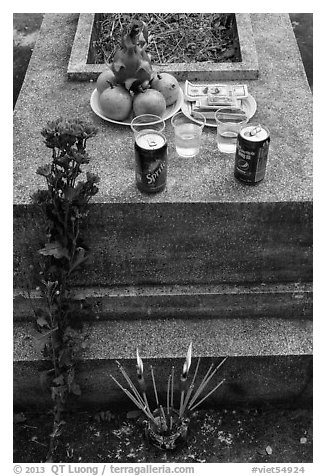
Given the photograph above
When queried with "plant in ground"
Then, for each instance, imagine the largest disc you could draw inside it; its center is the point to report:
(173, 37)
(65, 206)
(167, 425)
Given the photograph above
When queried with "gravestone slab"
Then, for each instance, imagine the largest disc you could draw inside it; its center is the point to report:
(207, 239)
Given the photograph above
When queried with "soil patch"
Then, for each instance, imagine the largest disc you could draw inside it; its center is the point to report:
(241, 435)
(173, 37)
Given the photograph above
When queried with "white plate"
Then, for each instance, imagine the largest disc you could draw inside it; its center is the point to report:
(170, 110)
(248, 105)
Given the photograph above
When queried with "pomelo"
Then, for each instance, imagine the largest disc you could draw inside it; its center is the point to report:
(116, 103)
(105, 80)
(167, 85)
(149, 102)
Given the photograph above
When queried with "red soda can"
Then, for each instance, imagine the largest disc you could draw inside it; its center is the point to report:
(151, 161)
(251, 153)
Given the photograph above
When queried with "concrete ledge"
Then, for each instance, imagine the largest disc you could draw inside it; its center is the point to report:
(80, 70)
(249, 380)
(169, 338)
(292, 301)
(269, 358)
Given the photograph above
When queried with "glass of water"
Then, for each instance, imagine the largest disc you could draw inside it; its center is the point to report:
(147, 122)
(229, 121)
(188, 131)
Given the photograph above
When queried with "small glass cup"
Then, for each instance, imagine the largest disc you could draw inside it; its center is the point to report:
(146, 123)
(188, 131)
(229, 121)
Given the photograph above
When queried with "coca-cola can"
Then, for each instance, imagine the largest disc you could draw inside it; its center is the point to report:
(151, 161)
(251, 153)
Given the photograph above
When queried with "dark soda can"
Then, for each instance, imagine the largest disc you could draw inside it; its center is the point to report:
(251, 153)
(151, 161)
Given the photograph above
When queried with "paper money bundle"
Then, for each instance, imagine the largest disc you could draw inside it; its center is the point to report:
(207, 98)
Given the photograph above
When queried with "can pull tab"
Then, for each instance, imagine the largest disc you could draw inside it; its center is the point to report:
(151, 142)
(255, 130)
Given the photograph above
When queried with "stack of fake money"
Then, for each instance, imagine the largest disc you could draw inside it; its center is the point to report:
(207, 98)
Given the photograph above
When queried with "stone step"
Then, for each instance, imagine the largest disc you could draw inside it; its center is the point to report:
(269, 358)
(288, 301)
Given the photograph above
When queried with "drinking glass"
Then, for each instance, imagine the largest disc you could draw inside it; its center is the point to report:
(146, 123)
(188, 131)
(229, 121)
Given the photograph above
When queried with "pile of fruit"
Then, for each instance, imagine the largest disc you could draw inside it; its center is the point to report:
(117, 102)
(129, 85)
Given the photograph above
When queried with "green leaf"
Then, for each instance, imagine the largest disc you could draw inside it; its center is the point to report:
(41, 340)
(79, 259)
(42, 322)
(59, 391)
(70, 193)
(54, 249)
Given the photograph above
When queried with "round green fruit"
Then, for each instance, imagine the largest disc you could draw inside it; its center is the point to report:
(149, 102)
(167, 85)
(116, 103)
(105, 80)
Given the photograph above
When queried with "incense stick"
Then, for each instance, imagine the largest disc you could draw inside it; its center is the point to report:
(206, 396)
(133, 399)
(181, 402)
(164, 417)
(172, 385)
(199, 389)
(204, 382)
(131, 385)
(190, 389)
(154, 385)
(168, 395)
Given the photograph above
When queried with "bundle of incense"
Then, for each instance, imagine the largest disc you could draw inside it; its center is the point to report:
(188, 399)
(191, 403)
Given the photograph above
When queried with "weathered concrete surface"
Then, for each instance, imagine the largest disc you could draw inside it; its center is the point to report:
(249, 380)
(80, 67)
(269, 359)
(160, 338)
(185, 243)
(288, 301)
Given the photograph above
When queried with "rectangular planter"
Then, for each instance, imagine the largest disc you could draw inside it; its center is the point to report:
(79, 69)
